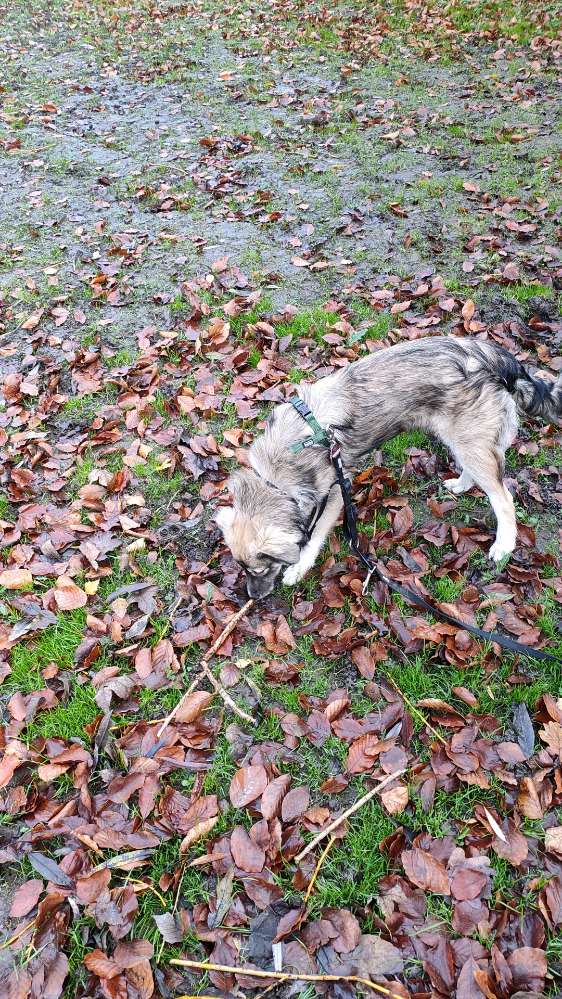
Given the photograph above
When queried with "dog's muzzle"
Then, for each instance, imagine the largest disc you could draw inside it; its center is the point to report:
(259, 587)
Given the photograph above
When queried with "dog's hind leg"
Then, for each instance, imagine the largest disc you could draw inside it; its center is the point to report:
(485, 466)
(313, 548)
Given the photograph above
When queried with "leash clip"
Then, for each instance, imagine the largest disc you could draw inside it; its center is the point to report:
(367, 580)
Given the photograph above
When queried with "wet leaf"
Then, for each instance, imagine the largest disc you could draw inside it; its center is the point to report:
(247, 784)
(25, 898)
(425, 871)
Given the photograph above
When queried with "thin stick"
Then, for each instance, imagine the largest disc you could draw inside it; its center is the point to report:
(282, 976)
(16, 936)
(225, 695)
(345, 815)
(323, 856)
(227, 630)
(416, 711)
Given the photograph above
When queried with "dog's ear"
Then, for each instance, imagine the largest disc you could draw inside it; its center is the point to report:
(224, 517)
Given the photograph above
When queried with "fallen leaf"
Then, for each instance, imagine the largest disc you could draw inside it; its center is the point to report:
(247, 785)
(16, 579)
(425, 871)
(25, 898)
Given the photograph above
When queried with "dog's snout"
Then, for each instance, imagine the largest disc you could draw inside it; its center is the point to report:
(259, 587)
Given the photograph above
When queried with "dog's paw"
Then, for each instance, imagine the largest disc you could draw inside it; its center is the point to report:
(499, 551)
(294, 574)
(455, 486)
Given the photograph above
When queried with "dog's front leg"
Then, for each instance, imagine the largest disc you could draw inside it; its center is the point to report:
(312, 550)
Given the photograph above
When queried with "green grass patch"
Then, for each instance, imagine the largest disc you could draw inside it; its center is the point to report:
(68, 720)
(56, 644)
(310, 323)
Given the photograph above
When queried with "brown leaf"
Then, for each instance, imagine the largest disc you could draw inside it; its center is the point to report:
(467, 884)
(468, 310)
(90, 887)
(69, 596)
(287, 923)
(121, 788)
(16, 579)
(374, 957)
(362, 753)
(130, 953)
(553, 840)
(510, 752)
(247, 785)
(195, 704)
(25, 898)
(198, 832)
(143, 663)
(395, 799)
(99, 964)
(362, 658)
(528, 800)
(295, 803)
(528, 967)
(403, 522)
(551, 734)
(273, 796)
(515, 848)
(247, 855)
(425, 871)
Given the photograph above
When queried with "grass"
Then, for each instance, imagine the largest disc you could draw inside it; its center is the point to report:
(350, 875)
(68, 720)
(313, 323)
(55, 644)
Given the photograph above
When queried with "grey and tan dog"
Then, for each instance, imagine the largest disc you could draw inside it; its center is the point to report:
(466, 392)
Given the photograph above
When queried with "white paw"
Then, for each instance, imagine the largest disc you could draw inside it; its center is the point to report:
(454, 485)
(294, 574)
(500, 550)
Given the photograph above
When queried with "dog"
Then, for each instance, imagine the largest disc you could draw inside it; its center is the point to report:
(466, 392)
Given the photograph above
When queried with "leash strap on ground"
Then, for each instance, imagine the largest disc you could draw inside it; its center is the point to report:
(351, 533)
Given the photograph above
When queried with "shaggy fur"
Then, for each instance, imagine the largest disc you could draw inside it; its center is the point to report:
(465, 392)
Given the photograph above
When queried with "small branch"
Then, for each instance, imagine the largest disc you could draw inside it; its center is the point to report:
(345, 815)
(227, 630)
(282, 976)
(323, 856)
(225, 695)
(416, 711)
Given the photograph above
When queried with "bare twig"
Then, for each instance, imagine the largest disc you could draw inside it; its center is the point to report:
(416, 711)
(282, 976)
(16, 936)
(227, 630)
(323, 856)
(225, 695)
(345, 815)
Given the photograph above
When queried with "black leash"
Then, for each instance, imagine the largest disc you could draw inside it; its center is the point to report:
(327, 438)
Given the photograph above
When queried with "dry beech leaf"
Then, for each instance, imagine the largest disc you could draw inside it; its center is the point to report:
(198, 832)
(247, 784)
(16, 579)
(25, 898)
(425, 871)
(395, 799)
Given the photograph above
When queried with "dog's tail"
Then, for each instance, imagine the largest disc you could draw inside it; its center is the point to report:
(533, 395)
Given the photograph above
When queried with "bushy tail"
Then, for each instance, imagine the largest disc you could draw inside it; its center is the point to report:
(539, 398)
(533, 395)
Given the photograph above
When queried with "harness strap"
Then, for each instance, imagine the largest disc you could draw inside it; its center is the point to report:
(319, 435)
(373, 568)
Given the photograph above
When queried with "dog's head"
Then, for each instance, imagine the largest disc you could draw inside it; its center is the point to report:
(264, 530)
